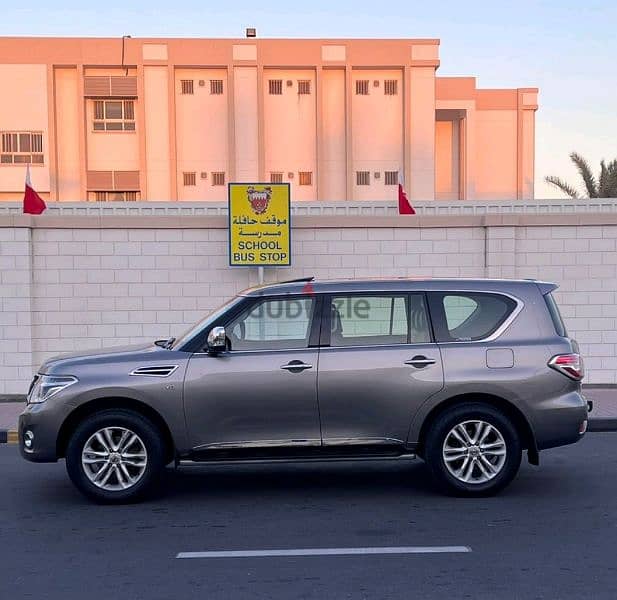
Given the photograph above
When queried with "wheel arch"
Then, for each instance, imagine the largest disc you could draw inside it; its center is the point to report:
(519, 420)
(93, 406)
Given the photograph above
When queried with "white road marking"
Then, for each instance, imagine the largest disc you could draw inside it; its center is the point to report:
(326, 551)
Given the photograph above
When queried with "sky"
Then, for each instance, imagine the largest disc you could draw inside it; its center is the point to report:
(566, 48)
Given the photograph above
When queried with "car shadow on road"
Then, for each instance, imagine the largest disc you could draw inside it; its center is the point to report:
(305, 478)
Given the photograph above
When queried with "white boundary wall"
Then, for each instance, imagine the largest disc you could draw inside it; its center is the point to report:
(72, 281)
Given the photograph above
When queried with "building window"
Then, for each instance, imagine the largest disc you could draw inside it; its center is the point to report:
(21, 147)
(114, 115)
(189, 178)
(390, 87)
(304, 87)
(391, 177)
(115, 196)
(276, 178)
(216, 86)
(275, 87)
(187, 86)
(305, 177)
(363, 178)
(362, 87)
(218, 178)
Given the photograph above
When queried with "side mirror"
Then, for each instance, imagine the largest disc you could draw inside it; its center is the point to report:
(217, 340)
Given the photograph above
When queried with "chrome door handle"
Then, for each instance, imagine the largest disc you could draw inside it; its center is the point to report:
(420, 361)
(296, 366)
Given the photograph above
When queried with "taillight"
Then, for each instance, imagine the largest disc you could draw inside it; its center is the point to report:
(570, 365)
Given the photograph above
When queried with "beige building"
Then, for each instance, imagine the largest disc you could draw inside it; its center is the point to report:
(177, 119)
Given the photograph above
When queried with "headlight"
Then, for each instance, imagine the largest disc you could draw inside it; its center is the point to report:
(46, 386)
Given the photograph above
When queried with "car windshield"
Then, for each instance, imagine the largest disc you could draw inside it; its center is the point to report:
(198, 327)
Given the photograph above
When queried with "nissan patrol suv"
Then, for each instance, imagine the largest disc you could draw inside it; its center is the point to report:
(465, 374)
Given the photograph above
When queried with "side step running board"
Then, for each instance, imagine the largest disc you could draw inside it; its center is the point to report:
(244, 461)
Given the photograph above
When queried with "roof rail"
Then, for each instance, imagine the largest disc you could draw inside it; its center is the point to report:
(299, 280)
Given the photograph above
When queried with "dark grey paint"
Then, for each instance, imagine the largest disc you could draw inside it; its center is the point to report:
(350, 396)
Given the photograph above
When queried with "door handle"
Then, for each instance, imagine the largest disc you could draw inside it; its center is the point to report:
(296, 365)
(420, 361)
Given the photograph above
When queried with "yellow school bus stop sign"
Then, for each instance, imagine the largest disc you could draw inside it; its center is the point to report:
(259, 225)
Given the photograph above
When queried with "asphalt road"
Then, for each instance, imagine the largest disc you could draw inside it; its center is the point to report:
(552, 534)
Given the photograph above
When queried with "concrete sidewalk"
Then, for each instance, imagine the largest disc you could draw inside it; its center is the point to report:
(602, 418)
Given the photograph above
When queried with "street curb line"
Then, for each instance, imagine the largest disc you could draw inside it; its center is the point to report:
(602, 424)
(8, 437)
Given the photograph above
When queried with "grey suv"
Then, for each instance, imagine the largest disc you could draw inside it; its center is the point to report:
(465, 374)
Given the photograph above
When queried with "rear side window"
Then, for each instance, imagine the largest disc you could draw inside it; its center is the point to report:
(360, 320)
(468, 316)
(553, 309)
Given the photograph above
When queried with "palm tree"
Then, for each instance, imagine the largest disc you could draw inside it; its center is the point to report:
(605, 186)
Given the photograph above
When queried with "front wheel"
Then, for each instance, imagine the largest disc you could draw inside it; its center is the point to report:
(473, 450)
(114, 456)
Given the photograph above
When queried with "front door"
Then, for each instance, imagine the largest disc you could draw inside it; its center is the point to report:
(379, 367)
(262, 392)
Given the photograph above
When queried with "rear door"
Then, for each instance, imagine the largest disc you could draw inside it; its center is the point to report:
(377, 365)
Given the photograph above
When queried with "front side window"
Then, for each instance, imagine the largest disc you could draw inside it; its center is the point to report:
(275, 324)
(470, 316)
(378, 320)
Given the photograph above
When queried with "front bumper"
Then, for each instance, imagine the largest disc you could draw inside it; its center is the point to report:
(43, 425)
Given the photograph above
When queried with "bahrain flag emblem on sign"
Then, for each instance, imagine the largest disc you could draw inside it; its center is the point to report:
(259, 225)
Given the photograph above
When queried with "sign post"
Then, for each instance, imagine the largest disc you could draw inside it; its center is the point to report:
(259, 225)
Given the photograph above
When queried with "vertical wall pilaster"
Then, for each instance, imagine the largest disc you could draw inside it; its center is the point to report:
(421, 133)
(500, 252)
(16, 279)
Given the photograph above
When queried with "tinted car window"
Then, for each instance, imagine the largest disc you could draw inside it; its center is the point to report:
(469, 316)
(272, 325)
(377, 320)
(553, 309)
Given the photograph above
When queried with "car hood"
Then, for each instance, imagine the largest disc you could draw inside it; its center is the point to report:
(64, 362)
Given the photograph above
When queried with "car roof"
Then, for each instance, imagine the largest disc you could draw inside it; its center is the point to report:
(310, 285)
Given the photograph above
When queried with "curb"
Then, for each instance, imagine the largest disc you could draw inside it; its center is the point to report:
(602, 424)
(8, 437)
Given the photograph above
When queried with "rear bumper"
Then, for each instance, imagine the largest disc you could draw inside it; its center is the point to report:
(560, 420)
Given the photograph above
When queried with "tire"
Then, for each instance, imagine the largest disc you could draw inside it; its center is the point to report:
(115, 477)
(466, 472)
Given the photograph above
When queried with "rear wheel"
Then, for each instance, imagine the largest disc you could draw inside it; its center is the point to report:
(473, 450)
(115, 456)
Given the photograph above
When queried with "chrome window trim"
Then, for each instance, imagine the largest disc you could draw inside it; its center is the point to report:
(238, 352)
(495, 335)
(135, 373)
(405, 345)
(501, 329)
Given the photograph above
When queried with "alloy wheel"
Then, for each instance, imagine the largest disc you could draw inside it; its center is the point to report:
(114, 458)
(474, 452)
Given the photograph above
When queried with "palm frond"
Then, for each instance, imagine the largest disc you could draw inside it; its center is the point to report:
(603, 180)
(585, 171)
(562, 185)
(611, 180)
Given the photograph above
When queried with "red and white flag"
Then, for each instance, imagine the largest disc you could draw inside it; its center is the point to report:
(404, 206)
(33, 203)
